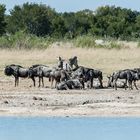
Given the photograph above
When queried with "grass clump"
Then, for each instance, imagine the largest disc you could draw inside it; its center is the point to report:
(113, 45)
(90, 42)
(138, 44)
(84, 41)
(21, 40)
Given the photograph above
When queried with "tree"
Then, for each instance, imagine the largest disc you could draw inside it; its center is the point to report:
(2, 19)
(70, 24)
(41, 20)
(137, 26)
(58, 27)
(33, 18)
(115, 21)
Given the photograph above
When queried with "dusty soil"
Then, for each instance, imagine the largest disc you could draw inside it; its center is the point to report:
(26, 100)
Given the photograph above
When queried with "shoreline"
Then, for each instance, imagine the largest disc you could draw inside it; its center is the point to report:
(71, 103)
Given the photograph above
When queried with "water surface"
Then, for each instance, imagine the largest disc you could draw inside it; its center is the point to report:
(12, 128)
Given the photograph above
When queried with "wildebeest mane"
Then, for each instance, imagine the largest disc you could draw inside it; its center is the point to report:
(36, 65)
(8, 71)
(16, 65)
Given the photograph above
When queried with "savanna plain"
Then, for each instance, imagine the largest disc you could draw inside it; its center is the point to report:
(26, 100)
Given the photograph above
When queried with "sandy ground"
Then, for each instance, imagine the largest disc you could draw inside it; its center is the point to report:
(26, 100)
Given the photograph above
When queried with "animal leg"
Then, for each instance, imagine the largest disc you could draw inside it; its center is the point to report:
(56, 82)
(135, 85)
(101, 83)
(52, 79)
(115, 84)
(91, 83)
(39, 81)
(83, 84)
(42, 82)
(125, 84)
(130, 85)
(33, 79)
(15, 81)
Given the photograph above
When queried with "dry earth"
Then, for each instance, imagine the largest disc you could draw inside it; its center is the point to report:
(26, 100)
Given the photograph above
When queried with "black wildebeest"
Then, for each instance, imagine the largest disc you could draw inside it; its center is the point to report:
(120, 84)
(17, 71)
(58, 75)
(55, 74)
(129, 76)
(70, 84)
(39, 71)
(88, 74)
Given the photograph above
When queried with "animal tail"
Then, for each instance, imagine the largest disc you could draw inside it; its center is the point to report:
(101, 76)
(50, 78)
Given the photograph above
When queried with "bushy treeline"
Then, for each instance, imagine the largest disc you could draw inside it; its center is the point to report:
(43, 21)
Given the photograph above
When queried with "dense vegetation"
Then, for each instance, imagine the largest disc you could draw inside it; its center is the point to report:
(32, 23)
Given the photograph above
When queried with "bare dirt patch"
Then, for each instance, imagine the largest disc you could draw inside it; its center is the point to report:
(26, 100)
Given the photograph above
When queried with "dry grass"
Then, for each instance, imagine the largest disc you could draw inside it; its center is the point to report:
(105, 60)
(51, 102)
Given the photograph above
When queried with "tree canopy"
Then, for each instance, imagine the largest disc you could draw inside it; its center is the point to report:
(2, 19)
(42, 20)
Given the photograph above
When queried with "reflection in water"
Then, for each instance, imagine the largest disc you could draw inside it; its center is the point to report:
(12, 128)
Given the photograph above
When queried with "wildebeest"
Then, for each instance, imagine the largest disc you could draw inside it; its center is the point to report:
(135, 75)
(88, 74)
(58, 75)
(129, 76)
(70, 84)
(17, 71)
(55, 74)
(120, 84)
(39, 71)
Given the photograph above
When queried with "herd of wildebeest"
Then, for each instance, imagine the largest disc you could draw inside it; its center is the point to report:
(69, 75)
